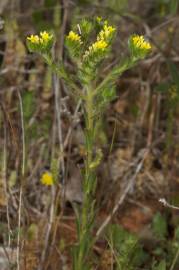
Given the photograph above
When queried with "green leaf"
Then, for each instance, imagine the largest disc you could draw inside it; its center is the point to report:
(174, 6)
(28, 104)
(129, 253)
(163, 87)
(50, 3)
(86, 28)
(118, 6)
(161, 266)
(174, 73)
(177, 233)
(159, 226)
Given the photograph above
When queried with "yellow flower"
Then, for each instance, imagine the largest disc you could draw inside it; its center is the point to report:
(109, 29)
(34, 39)
(99, 19)
(99, 45)
(106, 32)
(140, 43)
(74, 37)
(45, 36)
(173, 91)
(47, 179)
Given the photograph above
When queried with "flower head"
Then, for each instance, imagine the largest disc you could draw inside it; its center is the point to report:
(107, 32)
(47, 179)
(99, 45)
(139, 47)
(45, 37)
(74, 37)
(40, 43)
(34, 39)
(140, 43)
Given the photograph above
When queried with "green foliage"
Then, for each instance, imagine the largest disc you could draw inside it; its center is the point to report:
(170, 89)
(50, 3)
(85, 28)
(173, 6)
(118, 6)
(74, 47)
(29, 105)
(159, 226)
(174, 75)
(39, 16)
(128, 251)
(160, 266)
(55, 170)
(166, 7)
(167, 249)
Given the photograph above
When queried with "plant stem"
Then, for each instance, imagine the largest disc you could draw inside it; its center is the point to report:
(88, 187)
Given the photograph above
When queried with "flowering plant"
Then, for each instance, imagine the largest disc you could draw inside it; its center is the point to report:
(95, 94)
(40, 43)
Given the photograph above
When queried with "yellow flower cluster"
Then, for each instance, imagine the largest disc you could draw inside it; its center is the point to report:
(34, 39)
(44, 38)
(74, 37)
(106, 32)
(102, 39)
(47, 179)
(100, 44)
(140, 43)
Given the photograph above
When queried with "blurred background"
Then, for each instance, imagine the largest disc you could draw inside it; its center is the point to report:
(139, 132)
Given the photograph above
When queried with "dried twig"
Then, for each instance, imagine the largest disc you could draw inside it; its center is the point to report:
(166, 204)
(49, 227)
(4, 169)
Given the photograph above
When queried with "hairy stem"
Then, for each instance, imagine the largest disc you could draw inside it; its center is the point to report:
(88, 187)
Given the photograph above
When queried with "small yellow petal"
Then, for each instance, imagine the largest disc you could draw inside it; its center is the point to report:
(74, 37)
(34, 39)
(47, 179)
(99, 45)
(45, 36)
(140, 43)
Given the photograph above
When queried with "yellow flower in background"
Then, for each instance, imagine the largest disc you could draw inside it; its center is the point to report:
(34, 39)
(45, 37)
(173, 92)
(47, 179)
(74, 37)
(99, 19)
(140, 43)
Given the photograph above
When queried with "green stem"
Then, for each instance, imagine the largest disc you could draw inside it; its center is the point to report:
(115, 73)
(86, 216)
(61, 72)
